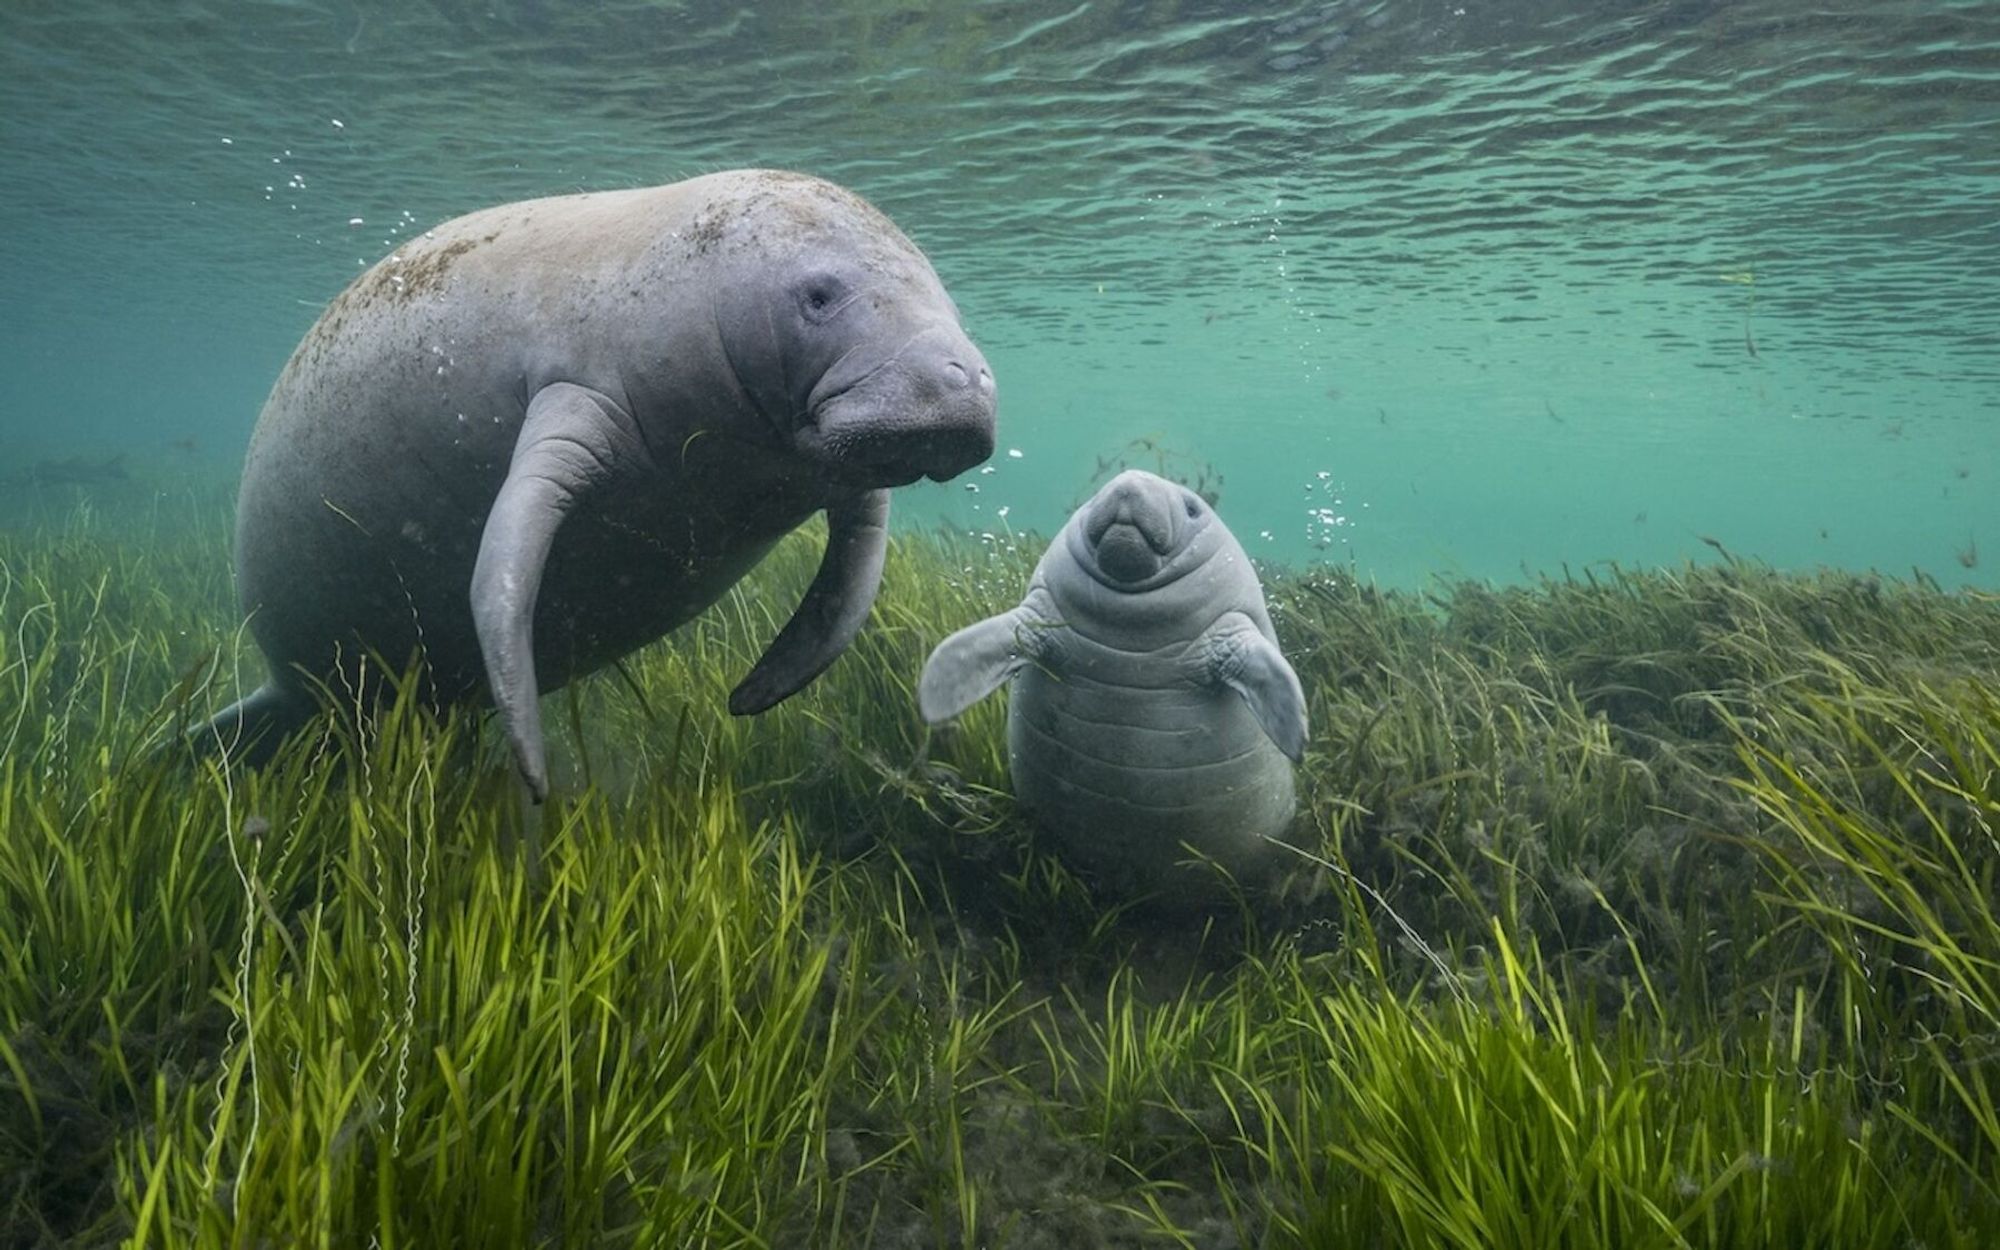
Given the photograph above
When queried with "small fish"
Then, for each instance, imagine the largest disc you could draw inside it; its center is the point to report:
(187, 446)
(1551, 410)
(1968, 555)
(1640, 519)
(74, 471)
(1382, 415)
(1749, 344)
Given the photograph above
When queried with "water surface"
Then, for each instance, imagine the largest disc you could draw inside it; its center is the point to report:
(1430, 287)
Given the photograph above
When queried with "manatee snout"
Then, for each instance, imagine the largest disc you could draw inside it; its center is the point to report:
(926, 411)
(1130, 526)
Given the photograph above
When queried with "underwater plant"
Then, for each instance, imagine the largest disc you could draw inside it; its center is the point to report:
(1632, 909)
(1152, 452)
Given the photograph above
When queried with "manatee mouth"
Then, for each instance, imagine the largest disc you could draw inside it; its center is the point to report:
(1125, 554)
(891, 427)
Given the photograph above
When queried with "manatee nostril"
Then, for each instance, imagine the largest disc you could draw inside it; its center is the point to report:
(985, 379)
(955, 375)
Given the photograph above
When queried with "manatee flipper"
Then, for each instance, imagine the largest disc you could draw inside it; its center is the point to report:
(1236, 654)
(251, 729)
(833, 610)
(572, 441)
(979, 659)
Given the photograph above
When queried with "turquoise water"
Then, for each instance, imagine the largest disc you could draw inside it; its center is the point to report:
(1433, 287)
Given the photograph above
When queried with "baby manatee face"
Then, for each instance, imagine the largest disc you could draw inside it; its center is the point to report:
(1140, 532)
(844, 339)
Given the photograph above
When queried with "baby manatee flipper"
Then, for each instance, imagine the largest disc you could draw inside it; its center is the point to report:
(573, 441)
(834, 608)
(979, 659)
(251, 729)
(1237, 655)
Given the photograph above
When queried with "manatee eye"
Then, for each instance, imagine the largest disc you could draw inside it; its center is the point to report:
(1193, 506)
(821, 297)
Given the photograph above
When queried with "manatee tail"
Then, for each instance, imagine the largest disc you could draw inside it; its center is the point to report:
(250, 730)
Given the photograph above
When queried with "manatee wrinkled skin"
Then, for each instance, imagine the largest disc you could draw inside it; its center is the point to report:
(547, 433)
(1153, 720)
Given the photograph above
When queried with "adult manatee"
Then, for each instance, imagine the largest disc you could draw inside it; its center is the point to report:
(545, 434)
(1152, 713)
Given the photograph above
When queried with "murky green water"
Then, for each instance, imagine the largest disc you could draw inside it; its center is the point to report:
(1431, 286)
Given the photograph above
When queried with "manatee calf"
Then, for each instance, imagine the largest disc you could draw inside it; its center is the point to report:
(1151, 707)
(545, 434)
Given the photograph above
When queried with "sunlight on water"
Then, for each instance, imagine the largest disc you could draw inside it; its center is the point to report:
(1532, 283)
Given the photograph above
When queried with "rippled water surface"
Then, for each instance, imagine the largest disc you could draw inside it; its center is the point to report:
(1431, 287)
